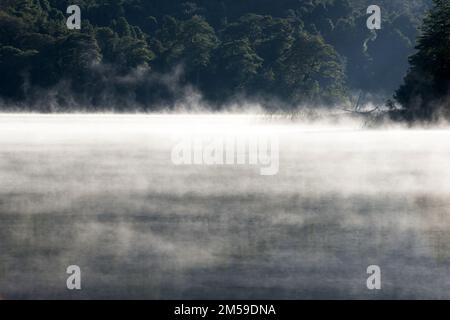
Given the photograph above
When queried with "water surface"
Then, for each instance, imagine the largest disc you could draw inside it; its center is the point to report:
(101, 192)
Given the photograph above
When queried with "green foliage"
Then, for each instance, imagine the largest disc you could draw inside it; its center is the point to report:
(312, 70)
(312, 51)
(425, 92)
(239, 63)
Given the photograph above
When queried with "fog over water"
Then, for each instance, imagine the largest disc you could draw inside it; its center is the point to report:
(101, 192)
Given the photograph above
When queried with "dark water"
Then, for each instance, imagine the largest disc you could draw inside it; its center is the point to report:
(102, 193)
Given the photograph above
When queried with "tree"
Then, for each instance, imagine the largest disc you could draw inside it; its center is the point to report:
(425, 92)
(312, 70)
(199, 39)
(239, 63)
(131, 53)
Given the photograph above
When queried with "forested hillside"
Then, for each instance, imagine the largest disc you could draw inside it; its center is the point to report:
(145, 54)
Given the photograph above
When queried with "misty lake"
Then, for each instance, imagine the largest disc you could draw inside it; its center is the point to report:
(101, 192)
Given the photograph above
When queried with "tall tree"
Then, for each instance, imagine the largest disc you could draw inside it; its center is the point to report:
(426, 89)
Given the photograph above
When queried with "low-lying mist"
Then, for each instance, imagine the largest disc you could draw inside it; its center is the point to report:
(101, 192)
(107, 89)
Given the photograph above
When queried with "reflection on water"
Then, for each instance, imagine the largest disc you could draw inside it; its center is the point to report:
(101, 192)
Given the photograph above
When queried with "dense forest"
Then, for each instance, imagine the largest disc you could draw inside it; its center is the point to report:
(148, 54)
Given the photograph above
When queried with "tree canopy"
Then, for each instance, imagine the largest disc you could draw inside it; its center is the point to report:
(144, 54)
(426, 89)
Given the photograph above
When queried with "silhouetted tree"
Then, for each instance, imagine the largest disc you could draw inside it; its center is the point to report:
(425, 92)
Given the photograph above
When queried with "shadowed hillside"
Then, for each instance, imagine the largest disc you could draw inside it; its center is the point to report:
(141, 55)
